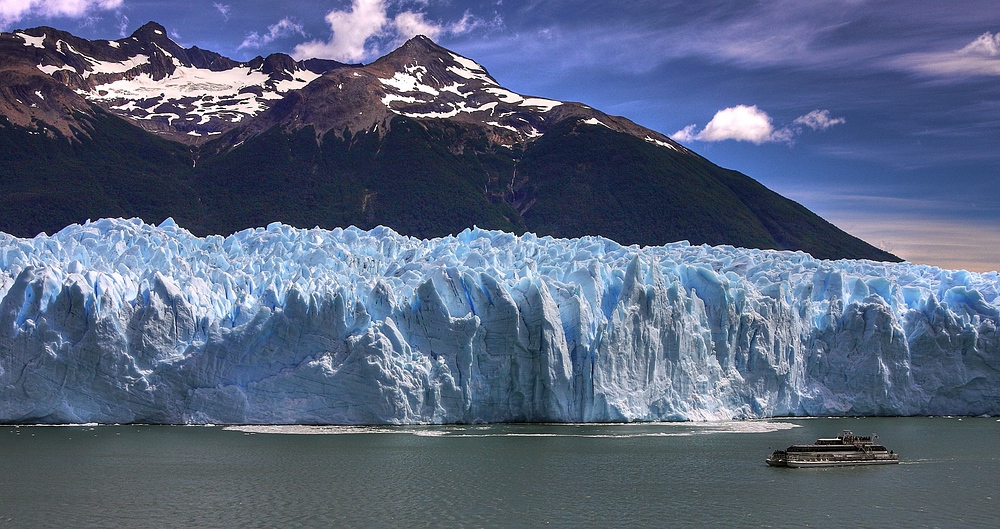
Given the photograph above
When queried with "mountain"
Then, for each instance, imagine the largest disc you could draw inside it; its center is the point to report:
(186, 95)
(422, 140)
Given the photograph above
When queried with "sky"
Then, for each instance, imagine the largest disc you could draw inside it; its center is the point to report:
(881, 116)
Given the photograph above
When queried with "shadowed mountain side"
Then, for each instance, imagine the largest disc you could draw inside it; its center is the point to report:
(116, 170)
(640, 193)
(408, 180)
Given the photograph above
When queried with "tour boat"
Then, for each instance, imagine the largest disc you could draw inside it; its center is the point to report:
(846, 449)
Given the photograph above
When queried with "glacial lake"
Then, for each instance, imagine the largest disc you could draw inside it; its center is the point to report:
(634, 475)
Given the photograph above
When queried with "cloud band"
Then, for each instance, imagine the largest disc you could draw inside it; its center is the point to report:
(751, 124)
(12, 11)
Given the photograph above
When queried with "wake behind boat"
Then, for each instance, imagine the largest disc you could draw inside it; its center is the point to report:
(846, 449)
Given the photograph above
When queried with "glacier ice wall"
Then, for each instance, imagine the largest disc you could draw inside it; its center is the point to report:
(117, 321)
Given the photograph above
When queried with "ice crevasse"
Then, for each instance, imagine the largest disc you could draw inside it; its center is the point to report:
(117, 321)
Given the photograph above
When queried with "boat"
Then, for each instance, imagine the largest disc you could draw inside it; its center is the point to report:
(844, 450)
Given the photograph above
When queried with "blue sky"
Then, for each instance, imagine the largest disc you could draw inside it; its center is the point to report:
(883, 117)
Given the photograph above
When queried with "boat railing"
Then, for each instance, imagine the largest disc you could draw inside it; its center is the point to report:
(848, 437)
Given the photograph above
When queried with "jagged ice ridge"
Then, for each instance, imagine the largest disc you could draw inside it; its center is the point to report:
(118, 321)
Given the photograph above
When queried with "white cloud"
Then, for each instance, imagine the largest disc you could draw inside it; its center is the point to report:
(222, 8)
(979, 57)
(469, 23)
(687, 134)
(284, 28)
(358, 33)
(749, 123)
(987, 45)
(409, 24)
(351, 31)
(819, 120)
(740, 123)
(13, 10)
(122, 24)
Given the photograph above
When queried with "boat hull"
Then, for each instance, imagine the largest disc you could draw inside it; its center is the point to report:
(833, 463)
(830, 460)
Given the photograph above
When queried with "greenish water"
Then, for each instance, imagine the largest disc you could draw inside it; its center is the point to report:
(646, 475)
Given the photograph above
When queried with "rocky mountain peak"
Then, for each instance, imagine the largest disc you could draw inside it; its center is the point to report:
(439, 66)
(187, 95)
(151, 32)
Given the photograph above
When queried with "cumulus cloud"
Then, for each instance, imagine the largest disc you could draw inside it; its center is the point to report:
(357, 33)
(979, 57)
(740, 123)
(351, 31)
(749, 123)
(687, 134)
(284, 28)
(409, 24)
(13, 10)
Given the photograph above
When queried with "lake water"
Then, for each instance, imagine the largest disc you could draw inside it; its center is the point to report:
(640, 475)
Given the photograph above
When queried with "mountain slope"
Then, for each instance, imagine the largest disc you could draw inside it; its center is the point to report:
(114, 170)
(422, 140)
(407, 179)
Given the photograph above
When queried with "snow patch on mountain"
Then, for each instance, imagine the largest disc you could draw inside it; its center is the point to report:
(119, 321)
(131, 63)
(410, 85)
(50, 69)
(163, 87)
(469, 65)
(210, 94)
(662, 143)
(595, 121)
(410, 81)
(29, 40)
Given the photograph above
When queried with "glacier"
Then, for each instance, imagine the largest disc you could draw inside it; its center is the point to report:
(118, 321)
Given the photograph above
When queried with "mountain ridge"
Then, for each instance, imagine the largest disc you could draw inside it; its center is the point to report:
(422, 140)
(186, 95)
